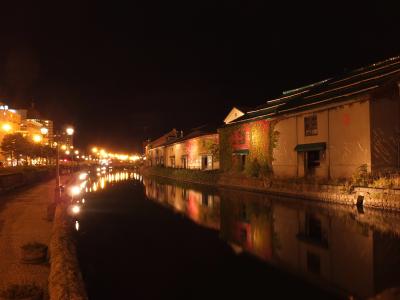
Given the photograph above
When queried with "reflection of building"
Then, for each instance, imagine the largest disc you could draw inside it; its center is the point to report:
(326, 129)
(248, 224)
(201, 207)
(335, 251)
(329, 248)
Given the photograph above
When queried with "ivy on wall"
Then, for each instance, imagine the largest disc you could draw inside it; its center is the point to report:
(262, 139)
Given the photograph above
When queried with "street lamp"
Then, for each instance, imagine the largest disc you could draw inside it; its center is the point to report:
(68, 131)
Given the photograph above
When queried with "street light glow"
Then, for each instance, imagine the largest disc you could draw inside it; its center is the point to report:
(75, 190)
(76, 152)
(67, 152)
(95, 150)
(44, 130)
(69, 131)
(6, 127)
(76, 209)
(37, 138)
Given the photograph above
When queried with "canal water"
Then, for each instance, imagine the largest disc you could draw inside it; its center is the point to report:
(151, 238)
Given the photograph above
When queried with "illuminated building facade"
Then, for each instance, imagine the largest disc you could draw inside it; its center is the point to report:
(328, 129)
(195, 150)
(32, 130)
(10, 122)
(155, 149)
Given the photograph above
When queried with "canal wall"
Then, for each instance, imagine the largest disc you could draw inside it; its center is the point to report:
(388, 199)
(65, 279)
(24, 177)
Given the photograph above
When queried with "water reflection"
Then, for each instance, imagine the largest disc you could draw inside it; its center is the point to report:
(331, 246)
(203, 208)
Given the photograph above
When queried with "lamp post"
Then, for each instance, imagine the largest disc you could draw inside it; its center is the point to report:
(68, 131)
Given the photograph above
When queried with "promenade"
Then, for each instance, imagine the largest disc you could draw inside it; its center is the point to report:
(23, 220)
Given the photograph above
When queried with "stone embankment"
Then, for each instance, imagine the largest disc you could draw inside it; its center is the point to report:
(65, 279)
(388, 199)
(23, 177)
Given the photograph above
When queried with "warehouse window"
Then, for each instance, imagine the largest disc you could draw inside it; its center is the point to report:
(310, 125)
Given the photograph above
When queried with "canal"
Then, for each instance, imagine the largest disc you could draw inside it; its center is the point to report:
(151, 238)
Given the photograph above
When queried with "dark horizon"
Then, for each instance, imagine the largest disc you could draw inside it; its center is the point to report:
(122, 74)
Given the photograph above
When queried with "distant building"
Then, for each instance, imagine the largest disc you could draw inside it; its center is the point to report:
(154, 150)
(328, 129)
(199, 149)
(196, 150)
(10, 122)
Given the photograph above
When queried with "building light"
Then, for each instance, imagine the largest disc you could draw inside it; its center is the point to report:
(37, 138)
(6, 127)
(44, 130)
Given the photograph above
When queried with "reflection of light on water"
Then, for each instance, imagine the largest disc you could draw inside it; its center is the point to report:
(83, 200)
(83, 184)
(101, 181)
(77, 225)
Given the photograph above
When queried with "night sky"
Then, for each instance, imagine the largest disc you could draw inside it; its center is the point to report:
(121, 73)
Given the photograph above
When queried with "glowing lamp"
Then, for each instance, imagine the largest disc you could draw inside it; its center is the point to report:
(76, 209)
(6, 127)
(37, 138)
(44, 130)
(75, 190)
(69, 131)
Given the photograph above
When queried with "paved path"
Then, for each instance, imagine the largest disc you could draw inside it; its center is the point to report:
(23, 220)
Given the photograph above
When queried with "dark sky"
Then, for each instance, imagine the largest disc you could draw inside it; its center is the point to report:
(124, 72)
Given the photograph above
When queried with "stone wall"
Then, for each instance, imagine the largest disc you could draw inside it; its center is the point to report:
(65, 280)
(388, 199)
(18, 179)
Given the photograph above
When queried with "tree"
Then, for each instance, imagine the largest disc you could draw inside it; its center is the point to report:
(15, 145)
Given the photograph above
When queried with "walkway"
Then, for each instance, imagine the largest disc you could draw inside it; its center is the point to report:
(23, 220)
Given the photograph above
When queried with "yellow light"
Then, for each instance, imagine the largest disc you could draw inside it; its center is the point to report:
(71, 147)
(95, 150)
(44, 130)
(76, 209)
(37, 138)
(76, 151)
(6, 127)
(83, 176)
(102, 152)
(69, 131)
(67, 152)
(64, 147)
(75, 190)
